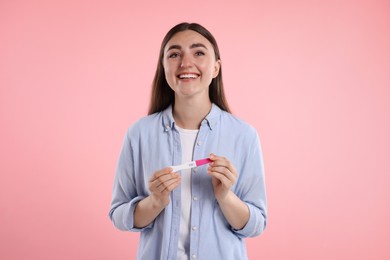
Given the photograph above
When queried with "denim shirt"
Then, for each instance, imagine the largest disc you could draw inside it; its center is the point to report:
(153, 143)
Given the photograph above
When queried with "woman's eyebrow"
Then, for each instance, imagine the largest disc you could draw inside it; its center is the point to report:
(194, 45)
(178, 47)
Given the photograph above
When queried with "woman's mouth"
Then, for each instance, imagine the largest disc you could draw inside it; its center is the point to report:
(188, 76)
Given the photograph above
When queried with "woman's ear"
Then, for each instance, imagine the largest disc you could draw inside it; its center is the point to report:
(216, 68)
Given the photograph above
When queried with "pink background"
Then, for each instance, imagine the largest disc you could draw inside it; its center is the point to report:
(312, 76)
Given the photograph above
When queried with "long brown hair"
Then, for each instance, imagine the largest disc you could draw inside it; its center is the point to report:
(162, 95)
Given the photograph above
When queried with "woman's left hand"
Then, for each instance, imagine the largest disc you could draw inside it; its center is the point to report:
(224, 175)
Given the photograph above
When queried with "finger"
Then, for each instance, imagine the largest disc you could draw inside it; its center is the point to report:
(160, 173)
(169, 185)
(234, 170)
(167, 176)
(224, 171)
(166, 179)
(173, 185)
(215, 157)
(154, 184)
(223, 162)
(222, 178)
(219, 160)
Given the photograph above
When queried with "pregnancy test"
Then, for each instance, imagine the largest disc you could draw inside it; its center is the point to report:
(191, 165)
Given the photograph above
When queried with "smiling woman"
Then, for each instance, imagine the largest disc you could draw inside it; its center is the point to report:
(203, 212)
(162, 94)
(191, 65)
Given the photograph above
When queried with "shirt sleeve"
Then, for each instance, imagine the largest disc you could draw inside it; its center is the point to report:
(125, 195)
(251, 190)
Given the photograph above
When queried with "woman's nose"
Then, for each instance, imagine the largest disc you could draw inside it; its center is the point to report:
(186, 61)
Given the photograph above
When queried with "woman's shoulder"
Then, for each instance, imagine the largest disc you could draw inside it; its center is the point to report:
(237, 123)
(145, 124)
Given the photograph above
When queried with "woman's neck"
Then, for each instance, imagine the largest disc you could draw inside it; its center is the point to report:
(189, 114)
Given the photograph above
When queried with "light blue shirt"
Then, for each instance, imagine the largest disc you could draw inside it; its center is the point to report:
(153, 143)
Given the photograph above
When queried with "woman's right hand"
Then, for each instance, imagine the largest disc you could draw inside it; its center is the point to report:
(161, 184)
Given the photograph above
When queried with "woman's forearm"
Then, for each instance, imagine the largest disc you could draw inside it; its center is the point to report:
(146, 211)
(235, 210)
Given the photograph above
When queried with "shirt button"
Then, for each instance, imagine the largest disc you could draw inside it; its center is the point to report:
(199, 143)
(194, 228)
(193, 256)
(195, 198)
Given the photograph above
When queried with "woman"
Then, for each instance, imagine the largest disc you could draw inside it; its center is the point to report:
(206, 212)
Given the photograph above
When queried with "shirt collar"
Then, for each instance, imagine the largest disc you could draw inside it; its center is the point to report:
(167, 119)
(211, 119)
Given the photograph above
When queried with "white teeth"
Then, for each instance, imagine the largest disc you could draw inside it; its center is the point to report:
(188, 76)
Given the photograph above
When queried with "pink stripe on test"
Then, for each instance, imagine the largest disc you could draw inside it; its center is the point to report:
(202, 161)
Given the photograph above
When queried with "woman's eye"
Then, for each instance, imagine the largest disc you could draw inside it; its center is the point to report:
(173, 55)
(199, 53)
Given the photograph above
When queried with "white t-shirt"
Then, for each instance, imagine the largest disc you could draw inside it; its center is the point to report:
(188, 138)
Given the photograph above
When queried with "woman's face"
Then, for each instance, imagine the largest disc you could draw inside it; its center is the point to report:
(190, 64)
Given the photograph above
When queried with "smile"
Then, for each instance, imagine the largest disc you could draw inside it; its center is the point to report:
(188, 76)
